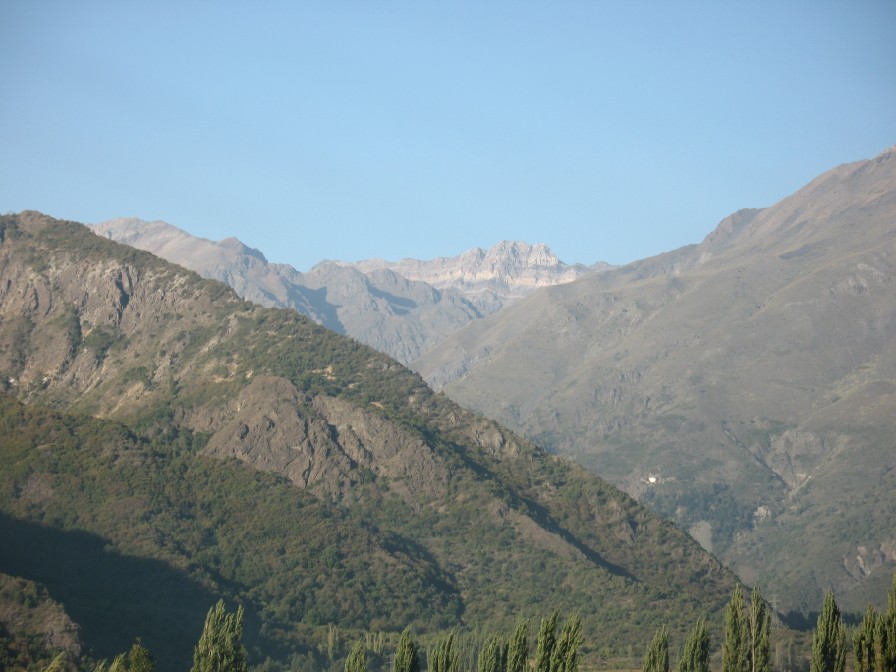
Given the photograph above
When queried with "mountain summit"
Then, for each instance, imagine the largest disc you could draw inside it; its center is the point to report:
(400, 308)
(745, 386)
(508, 270)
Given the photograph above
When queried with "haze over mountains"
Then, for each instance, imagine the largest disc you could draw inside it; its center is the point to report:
(401, 308)
(743, 386)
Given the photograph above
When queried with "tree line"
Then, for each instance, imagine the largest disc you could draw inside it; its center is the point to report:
(745, 647)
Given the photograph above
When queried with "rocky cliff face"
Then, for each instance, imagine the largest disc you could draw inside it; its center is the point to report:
(507, 271)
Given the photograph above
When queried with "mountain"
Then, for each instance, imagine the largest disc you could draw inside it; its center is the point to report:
(401, 308)
(744, 386)
(166, 443)
(490, 278)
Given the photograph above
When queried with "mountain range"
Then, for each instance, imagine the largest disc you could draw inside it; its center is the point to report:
(167, 443)
(401, 308)
(744, 386)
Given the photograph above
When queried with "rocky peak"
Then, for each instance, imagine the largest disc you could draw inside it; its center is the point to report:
(509, 269)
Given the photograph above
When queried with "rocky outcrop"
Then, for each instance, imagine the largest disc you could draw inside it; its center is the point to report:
(490, 278)
(321, 441)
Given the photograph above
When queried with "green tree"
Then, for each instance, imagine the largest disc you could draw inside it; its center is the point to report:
(219, 648)
(139, 658)
(656, 658)
(490, 656)
(829, 640)
(58, 664)
(735, 647)
(695, 656)
(407, 658)
(356, 660)
(444, 658)
(864, 642)
(759, 625)
(565, 656)
(547, 640)
(119, 664)
(885, 634)
(518, 648)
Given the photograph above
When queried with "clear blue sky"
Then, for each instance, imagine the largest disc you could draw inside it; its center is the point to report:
(348, 130)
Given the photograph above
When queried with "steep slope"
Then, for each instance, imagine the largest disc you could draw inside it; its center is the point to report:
(373, 502)
(400, 308)
(744, 386)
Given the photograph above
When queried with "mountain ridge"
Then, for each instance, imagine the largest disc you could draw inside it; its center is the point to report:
(736, 373)
(374, 301)
(276, 463)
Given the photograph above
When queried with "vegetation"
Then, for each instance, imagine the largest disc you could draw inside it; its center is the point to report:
(759, 625)
(132, 526)
(220, 647)
(874, 642)
(656, 658)
(407, 658)
(734, 650)
(695, 656)
(829, 641)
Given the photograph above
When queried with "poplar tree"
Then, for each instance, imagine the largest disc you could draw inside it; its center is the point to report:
(547, 640)
(118, 664)
(565, 656)
(864, 644)
(656, 658)
(759, 627)
(444, 658)
(829, 640)
(695, 657)
(518, 648)
(356, 660)
(735, 647)
(407, 658)
(219, 648)
(490, 656)
(885, 636)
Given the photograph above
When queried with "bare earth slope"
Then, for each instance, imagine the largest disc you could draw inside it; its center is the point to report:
(745, 386)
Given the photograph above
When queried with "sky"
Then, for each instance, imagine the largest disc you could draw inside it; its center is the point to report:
(610, 131)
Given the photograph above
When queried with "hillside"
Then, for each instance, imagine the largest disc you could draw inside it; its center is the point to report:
(400, 308)
(745, 386)
(181, 444)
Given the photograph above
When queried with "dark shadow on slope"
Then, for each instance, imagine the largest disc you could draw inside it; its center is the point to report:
(112, 597)
(314, 304)
(400, 305)
(540, 514)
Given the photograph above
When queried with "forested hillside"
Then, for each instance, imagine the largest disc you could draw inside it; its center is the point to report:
(166, 444)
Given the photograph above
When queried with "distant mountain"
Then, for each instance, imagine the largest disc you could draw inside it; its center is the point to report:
(400, 308)
(745, 386)
(166, 444)
(490, 278)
